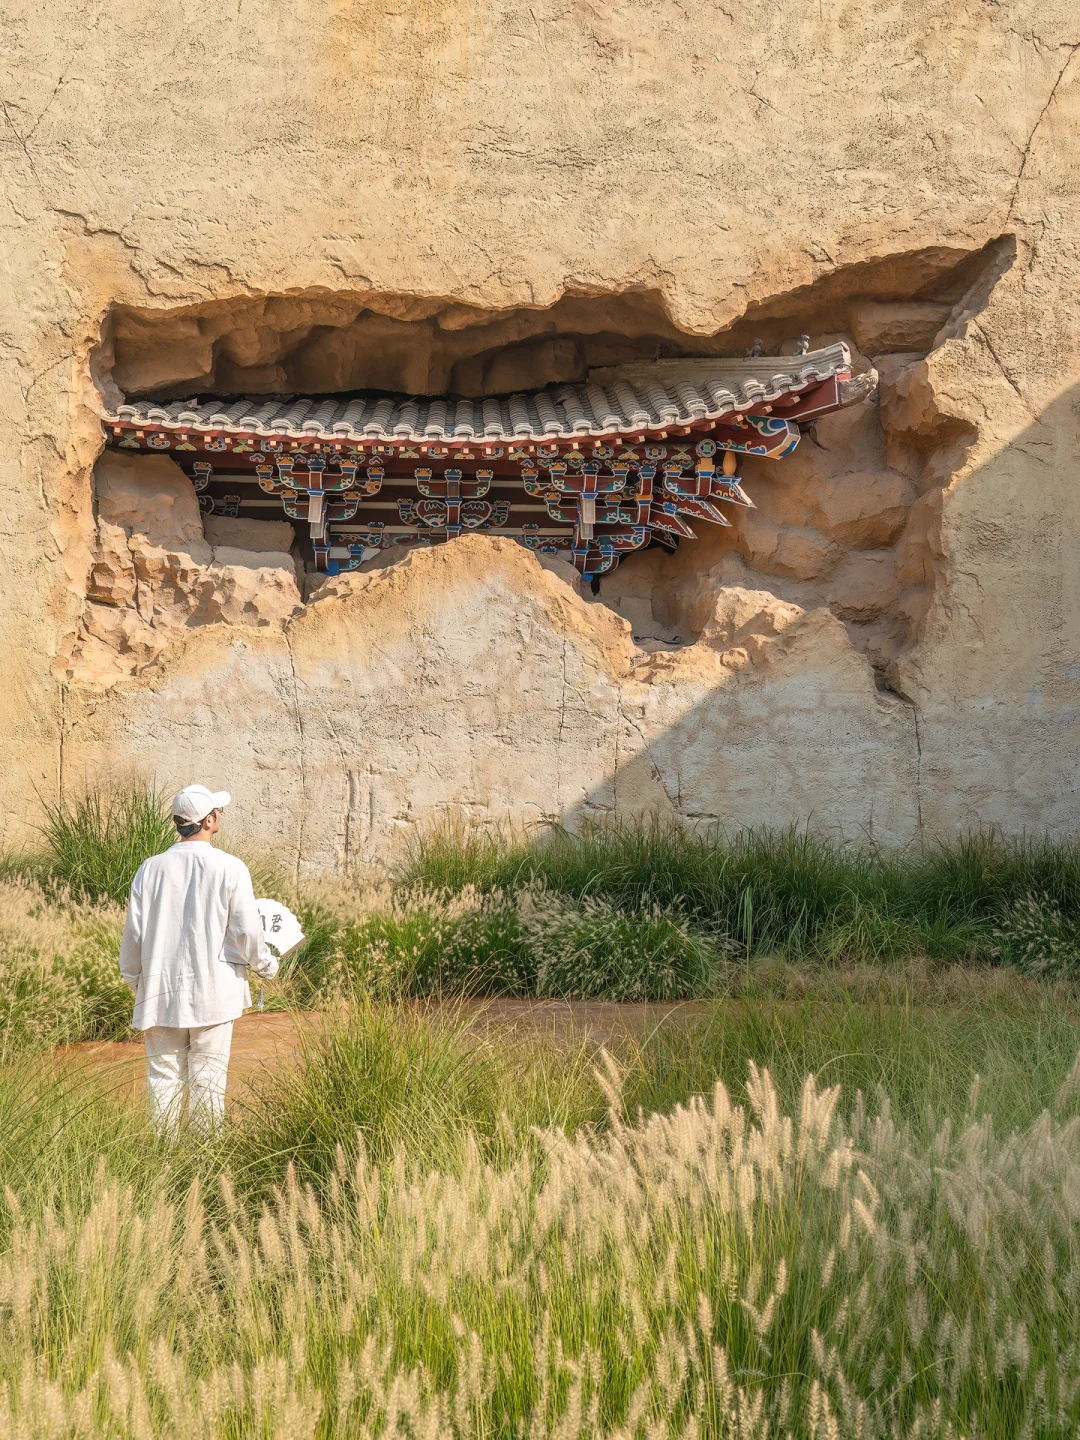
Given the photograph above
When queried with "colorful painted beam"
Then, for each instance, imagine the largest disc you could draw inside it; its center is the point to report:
(592, 471)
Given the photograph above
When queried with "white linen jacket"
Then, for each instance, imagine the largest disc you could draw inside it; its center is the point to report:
(191, 935)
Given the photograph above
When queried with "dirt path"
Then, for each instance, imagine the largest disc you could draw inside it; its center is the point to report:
(267, 1042)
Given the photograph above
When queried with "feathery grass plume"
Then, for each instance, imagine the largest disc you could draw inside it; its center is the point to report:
(793, 1264)
(917, 1041)
(416, 942)
(1038, 939)
(593, 951)
(720, 1266)
(59, 979)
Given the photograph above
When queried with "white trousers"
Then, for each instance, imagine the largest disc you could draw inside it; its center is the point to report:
(191, 1064)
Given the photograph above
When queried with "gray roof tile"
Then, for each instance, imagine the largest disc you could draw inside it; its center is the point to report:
(643, 395)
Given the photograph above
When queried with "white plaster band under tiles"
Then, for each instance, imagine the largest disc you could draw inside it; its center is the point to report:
(638, 397)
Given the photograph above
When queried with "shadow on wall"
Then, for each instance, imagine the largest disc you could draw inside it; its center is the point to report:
(804, 736)
(852, 519)
(985, 729)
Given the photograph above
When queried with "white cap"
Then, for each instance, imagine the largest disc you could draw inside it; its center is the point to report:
(195, 802)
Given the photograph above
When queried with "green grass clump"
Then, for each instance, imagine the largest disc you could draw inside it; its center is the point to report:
(789, 893)
(382, 1080)
(95, 841)
(59, 977)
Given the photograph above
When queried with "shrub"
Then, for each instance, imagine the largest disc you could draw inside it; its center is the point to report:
(1035, 937)
(528, 942)
(420, 942)
(593, 950)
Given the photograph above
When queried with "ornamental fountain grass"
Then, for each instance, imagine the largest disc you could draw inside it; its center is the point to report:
(425, 1230)
(453, 1229)
(786, 892)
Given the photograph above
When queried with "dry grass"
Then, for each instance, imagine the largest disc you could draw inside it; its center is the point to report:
(728, 1270)
(59, 977)
(425, 1232)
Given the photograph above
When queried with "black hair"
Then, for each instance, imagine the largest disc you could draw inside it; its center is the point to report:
(187, 828)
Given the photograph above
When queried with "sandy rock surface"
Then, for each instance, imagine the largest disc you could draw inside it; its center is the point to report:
(244, 534)
(413, 198)
(469, 679)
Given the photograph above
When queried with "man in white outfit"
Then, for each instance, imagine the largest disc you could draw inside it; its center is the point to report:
(191, 935)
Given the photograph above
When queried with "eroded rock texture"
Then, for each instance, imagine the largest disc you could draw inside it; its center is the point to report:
(412, 198)
(847, 522)
(469, 678)
(154, 572)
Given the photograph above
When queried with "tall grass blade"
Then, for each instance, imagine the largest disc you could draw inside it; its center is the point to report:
(95, 841)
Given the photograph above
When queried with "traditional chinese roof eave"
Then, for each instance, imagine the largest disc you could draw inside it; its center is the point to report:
(642, 398)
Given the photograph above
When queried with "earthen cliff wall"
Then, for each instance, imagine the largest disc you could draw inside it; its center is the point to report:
(423, 196)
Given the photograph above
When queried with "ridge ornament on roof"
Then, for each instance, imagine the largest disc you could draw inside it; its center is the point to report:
(584, 468)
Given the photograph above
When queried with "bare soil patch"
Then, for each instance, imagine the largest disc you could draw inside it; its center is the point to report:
(268, 1042)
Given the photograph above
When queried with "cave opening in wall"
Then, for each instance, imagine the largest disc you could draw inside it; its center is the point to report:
(349, 429)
